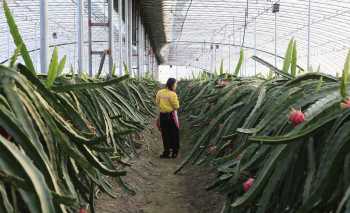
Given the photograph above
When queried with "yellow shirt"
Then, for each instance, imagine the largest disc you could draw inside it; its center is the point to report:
(167, 100)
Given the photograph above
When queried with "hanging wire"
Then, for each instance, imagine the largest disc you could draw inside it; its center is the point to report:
(183, 23)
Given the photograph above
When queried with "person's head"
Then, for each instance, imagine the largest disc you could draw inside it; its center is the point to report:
(171, 84)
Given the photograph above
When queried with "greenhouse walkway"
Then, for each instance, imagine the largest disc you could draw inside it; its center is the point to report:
(158, 190)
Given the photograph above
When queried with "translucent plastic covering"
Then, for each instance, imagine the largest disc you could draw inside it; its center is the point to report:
(201, 33)
(62, 17)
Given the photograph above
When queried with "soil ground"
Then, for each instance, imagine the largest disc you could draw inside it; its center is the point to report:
(158, 190)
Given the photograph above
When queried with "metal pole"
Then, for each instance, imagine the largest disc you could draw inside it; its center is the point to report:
(36, 42)
(309, 36)
(139, 43)
(80, 36)
(233, 29)
(142, 46)
(130, 34)
(120, 13)
(255, 45)
(215, 59)
(90, 37)
(275, 39)
(110, 35)
(44, 44)
(126, 28)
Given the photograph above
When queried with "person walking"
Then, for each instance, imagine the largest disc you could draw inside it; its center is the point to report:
(168, 103)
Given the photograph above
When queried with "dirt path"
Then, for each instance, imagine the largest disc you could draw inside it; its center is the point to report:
(158, 190)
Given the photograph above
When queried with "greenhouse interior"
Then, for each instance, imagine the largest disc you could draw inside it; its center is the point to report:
(174, 106)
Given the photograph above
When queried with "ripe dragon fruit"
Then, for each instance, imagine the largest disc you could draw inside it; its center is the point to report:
(247, 184)
(83, 210)
(212, 149)
(296, 117)
(345, 104)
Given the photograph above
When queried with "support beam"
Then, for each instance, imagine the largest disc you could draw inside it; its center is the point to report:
(255, 45)
(309, 37)
(110, 36)
(120, 13)
(90, 36)
(44, 44)
(275, 39)
(130, 49)
(142, 48)
(139, 44)
(80, 39)
(126, 28)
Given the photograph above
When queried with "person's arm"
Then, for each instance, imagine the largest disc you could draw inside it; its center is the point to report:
(174, 100)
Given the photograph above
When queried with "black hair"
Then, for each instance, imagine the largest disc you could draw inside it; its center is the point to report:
(170, 83)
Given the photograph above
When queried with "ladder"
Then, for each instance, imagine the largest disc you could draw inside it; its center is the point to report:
(109, 50)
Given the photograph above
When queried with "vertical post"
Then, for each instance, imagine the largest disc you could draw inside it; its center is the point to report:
(233, 42)
(120, 13)
(110, 35)
(255, 45)
(149, 55)
(126, 30)
(145, 55)
(36, 45)
(275, 39)
(233, 31)
(211, 57)
(229, 58)
(90, 37)
(130, 35)
(80, 36)
(215, 58)
(139, 44)
(44, 44)
(309, 36)
(142, 48)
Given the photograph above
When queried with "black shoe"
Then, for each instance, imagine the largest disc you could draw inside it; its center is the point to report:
(164, 156)
(174, 155)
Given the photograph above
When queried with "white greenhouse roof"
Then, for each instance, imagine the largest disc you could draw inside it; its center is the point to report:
(192, 25)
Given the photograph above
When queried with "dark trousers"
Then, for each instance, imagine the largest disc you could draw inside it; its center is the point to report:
(170, 133)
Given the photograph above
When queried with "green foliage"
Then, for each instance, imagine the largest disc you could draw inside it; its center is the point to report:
(240, 62)
(17, 38)
(222, 67)
(114, 69)
(53, 71)
(300, 168)
(288, 56)
(290, 59)
(293, 68)
(345, 77)
(15, 56)
(126, 70)
(61, 65)
(55, 68)
(58, 142)
(320, 84)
